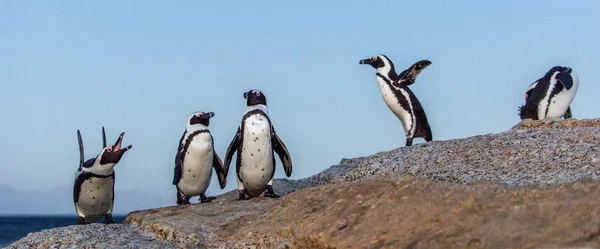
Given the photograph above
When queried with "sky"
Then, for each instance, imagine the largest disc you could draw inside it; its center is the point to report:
(142, 67)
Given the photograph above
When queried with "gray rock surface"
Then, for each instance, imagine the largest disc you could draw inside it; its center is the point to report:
(90, 236)
(528, 159)
(532, 152)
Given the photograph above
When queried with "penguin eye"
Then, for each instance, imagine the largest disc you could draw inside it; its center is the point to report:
(257, 93)
(374, 58)
(109, 149)
(199, 114)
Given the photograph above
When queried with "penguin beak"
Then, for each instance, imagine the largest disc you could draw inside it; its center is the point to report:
(366, 61)
(118, 144)
(117, 152)
(208, 115)
(245, 95)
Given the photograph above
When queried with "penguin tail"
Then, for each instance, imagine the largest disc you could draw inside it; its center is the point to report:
(424, 132)
(521, 111)
(428, 137)
(526, 112)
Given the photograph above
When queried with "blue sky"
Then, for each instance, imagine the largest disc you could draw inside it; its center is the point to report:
(143, 66)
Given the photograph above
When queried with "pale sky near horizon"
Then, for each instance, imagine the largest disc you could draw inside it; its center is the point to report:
(143, 66)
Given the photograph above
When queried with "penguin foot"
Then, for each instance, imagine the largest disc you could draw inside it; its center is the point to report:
(181, 198)
(409, 141)
(81, 221)
(108, 219)
(243, 195)
(270, 193)
(182, 201)
(204, 198)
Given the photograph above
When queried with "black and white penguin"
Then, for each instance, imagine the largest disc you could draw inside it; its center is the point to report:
(551, 96)
(254, 142)
(567, 115)
(94, 188)
(399, 98)
(195, 159)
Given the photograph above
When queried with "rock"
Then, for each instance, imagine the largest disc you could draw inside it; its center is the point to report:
(541, 156)
(536, 185)
(556, 124)
(90, 236)
(516, 195)
(391, 212)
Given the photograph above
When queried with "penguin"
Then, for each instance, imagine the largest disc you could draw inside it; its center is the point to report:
(567, 115)
(94, 187)
(255, 143)
(195, 159)
(551, 95)
(399, 98)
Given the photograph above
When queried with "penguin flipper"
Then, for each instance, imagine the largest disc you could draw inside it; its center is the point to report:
(409, 76)
(565, 79)
(81, 155)
(178, 162)
(218, 165)
(530, 89)
(282, 152)
(233, 146)
(177, 170)
(103, 138)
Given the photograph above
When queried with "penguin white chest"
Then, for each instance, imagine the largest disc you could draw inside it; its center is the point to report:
(257, 164)
(197, 165)
(95, 198)
(393, 102)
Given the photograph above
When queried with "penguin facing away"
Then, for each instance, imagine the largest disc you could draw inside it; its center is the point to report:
(551, 95)
(255, 143)
(195, 159)
(94, 187)
(567, 115)
(399, 98)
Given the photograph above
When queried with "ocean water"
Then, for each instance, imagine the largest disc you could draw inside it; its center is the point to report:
(13, 228)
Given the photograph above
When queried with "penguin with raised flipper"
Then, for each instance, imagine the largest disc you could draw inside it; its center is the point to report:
(399, 98)
(94, 187)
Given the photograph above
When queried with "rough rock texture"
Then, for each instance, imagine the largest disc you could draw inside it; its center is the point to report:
(511, 194)
(533, 186)
(532, 152)
(387, 212)
(90, 236)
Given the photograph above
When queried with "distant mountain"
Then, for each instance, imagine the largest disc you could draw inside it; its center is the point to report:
(59, 200)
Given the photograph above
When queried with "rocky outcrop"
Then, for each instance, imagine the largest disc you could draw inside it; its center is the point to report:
(530, 153)
(386, 212)
(533, 186)
(91, 236)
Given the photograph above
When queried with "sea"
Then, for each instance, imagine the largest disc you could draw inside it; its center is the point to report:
(13, 228)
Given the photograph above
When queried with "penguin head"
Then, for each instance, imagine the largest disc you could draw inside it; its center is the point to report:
(564, 75)
(255, 97)
(378, 62)
(200, 119)
(111, 155)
